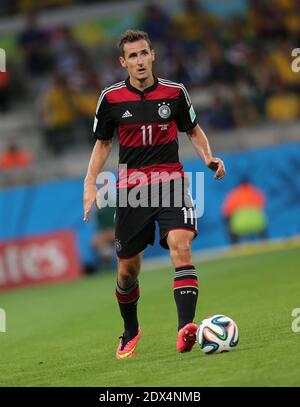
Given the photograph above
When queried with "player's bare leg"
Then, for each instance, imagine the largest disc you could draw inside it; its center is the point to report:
(185, 286)
(180, 244)
(128, 270)
(127, 293)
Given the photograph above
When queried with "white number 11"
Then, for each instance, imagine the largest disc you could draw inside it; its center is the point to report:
(144, 134)
(191, 215)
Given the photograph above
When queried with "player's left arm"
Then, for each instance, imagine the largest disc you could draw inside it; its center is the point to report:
(201, 145)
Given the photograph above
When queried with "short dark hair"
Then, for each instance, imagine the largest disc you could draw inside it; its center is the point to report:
(133, 36)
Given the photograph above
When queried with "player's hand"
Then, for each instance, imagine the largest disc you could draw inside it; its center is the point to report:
(217, 165)
(89, 197)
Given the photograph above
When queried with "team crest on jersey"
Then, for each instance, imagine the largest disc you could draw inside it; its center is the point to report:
(118, 245)
(164, 110)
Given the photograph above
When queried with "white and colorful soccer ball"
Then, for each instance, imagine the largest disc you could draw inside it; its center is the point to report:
(217, 334)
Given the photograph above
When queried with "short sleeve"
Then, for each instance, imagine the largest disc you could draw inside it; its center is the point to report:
(186, 118)
(104, 124)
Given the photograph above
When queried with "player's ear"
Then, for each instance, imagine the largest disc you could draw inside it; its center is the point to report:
(123, 62)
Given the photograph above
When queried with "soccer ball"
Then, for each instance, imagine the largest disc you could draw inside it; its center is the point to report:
(217, 334)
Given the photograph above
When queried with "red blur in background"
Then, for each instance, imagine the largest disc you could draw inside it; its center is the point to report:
(38, 260)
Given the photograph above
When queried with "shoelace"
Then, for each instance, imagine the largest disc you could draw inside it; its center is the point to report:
(124, 341)
(189, 337)
(122, 337)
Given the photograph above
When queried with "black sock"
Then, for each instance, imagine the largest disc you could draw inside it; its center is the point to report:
(185, 293)
(128, 300)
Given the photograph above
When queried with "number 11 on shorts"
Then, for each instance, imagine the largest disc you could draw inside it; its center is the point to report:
(191, 215)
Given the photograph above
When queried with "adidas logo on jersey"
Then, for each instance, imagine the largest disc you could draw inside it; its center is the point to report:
(127, 114)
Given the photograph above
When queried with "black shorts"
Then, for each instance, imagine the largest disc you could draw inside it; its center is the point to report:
(135, 226)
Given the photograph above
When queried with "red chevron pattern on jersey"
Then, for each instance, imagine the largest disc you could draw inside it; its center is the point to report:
(147, 124)
(133, 135)
(124, 93)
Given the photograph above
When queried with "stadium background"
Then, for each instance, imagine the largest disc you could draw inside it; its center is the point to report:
(235, 59)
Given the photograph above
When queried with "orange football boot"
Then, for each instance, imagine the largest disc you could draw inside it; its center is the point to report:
(186, 337)
(129, 350)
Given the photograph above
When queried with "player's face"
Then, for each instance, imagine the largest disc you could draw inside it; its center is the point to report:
(138, 58)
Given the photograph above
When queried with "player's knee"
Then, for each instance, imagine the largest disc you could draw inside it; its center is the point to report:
(181, 248)
(127, 275)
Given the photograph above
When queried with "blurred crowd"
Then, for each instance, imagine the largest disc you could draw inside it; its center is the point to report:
(239, 68)
(242, 63)
(12, 7)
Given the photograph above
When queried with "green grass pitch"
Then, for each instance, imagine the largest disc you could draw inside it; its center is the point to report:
(67, 334)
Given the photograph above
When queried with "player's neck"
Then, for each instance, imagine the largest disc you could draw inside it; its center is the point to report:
(142, 84)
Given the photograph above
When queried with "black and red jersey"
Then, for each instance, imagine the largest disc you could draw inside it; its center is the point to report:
(147, 124)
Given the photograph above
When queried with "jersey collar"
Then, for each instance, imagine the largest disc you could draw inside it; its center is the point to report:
(141, 92)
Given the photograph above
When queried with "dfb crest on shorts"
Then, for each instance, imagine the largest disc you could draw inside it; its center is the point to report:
(164, 110)
(118, 245)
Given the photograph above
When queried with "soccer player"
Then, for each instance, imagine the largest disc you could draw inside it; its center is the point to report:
(147, 112)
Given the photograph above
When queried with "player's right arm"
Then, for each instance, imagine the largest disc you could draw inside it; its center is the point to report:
(98, 158)
(104, 127)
